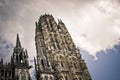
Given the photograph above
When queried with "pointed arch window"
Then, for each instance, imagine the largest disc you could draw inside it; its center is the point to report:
(42, 62)
(17, 58)
(62, 64)
(6, 73)
(9, 73)
(21, 57)
(48, 64)
(2, 72)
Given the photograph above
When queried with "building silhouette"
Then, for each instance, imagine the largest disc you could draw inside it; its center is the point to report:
(57, 56)
(18, 67)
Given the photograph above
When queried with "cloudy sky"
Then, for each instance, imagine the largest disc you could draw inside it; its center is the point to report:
(93, 24)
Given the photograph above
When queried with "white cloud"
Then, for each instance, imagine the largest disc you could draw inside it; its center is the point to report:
(93, 24)
(99, 28)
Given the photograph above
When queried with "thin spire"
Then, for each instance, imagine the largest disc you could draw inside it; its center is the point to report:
(34, 60)
(18, 44)
(26, 53)
(38, 29)
(35, 64)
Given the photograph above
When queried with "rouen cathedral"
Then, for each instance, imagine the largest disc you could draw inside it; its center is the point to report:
(57, 56)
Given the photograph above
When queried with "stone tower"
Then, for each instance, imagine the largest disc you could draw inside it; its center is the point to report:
(18, 68)
(57, 56)
(19, 60)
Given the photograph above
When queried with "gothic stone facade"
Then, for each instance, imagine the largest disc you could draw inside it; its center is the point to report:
(18, 68)
(57, 56)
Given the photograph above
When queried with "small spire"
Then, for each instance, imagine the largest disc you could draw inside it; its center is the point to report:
(35, 64)
(34, 60)
(2, 60)
(26, 53)
(60, 21)
(18, 44)
(38, 28)
(36, 25)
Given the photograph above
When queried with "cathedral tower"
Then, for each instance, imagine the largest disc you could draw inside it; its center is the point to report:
(19, 60)
(57, 56)
(18, 68)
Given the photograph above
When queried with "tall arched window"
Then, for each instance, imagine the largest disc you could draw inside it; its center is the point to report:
(42, 62)
(9, 73)
(21, 58)
(17, 58)
(62, 64)
(48, 64)
(2, 72)
(5, 73)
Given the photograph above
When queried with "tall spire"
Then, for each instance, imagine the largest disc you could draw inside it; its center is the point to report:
(18, 44)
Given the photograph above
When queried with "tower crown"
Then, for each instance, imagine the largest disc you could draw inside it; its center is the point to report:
(20, 56)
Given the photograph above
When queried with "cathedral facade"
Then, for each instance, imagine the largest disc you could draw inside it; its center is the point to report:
(18, 67)
(57, 56)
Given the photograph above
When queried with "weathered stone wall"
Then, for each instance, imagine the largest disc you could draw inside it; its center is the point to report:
(57, 48)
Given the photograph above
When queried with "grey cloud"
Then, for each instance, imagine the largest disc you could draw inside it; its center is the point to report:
(6, 49)
(3, 2)
(10, 9)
